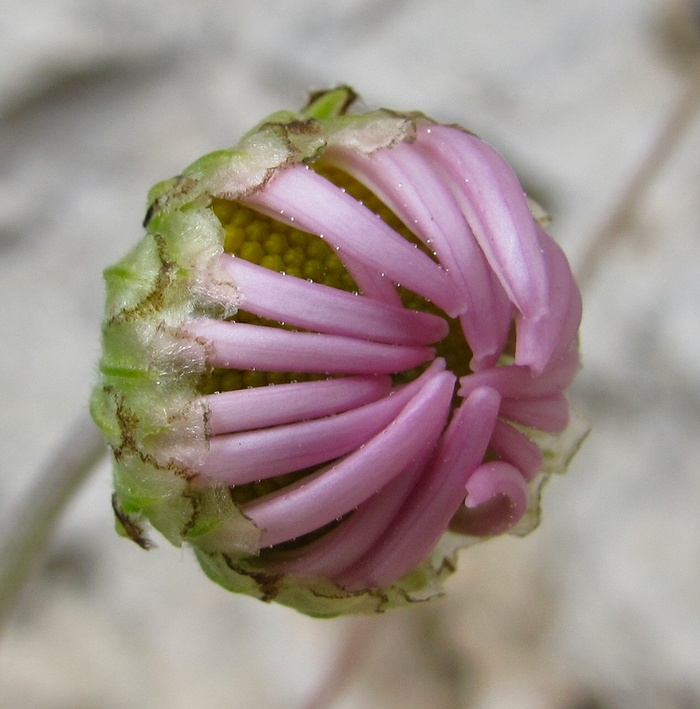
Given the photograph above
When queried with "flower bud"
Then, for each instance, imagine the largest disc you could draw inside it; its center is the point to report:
(339, 353)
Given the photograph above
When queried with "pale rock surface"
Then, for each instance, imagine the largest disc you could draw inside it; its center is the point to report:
(601, 606)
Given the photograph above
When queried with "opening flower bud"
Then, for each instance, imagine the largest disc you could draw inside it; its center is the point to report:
(340, 352)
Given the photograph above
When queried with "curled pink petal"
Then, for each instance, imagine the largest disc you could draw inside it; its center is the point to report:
(514, 447)
(408, 184)
(496, 501)
(495, 207)
(327, 495)
(486, 329)
(350, 227)
(412, 188)
(347, 543)
(436, 497)
(539, 342)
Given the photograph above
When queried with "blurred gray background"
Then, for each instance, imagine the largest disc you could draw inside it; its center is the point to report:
(600, 607)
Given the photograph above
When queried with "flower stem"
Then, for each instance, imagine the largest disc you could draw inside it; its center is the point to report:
(353, 653)
(28, 526)
(668, 139)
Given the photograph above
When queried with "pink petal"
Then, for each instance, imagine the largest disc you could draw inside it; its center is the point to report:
(260, 407)
(516, 448)
(492, 200)
(487, 329)
(496, 501)
(434, 500)
(234, 345)
(548, 413)
(347, 543)
(540, 342)
(411, 187)
(329, 494)
(513, 381)
(313, 306)
(256, 455)
(372, 284)
(300, 197)
(407, 183)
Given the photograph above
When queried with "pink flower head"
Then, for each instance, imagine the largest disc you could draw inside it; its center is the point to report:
(340, 353)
